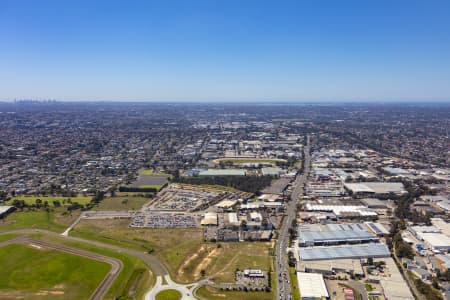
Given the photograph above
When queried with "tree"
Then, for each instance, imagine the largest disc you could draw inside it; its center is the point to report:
(19, 204)
(243, 225)
(38, 203)
(403, 249)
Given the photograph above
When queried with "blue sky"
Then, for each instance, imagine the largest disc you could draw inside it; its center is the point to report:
(225, 50)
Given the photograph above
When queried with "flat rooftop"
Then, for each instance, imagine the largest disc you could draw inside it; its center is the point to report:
(336, 234)
(312, 285)
(374, 250)
(376, 187)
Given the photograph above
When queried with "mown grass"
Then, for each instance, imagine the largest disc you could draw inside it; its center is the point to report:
(7, 236)
(130, 265)
(46, 273)
(168, 295)
(39, 219)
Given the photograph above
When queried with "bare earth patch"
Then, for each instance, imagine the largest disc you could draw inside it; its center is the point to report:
(199, 260)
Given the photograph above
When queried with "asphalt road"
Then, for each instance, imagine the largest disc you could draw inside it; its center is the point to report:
(283, 286)
(102, 288)
(358, 287)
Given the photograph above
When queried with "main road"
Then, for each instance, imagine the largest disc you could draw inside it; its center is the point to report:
(282, 269)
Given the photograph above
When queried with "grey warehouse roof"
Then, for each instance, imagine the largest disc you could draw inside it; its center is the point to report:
(334, 236)
(375, 250)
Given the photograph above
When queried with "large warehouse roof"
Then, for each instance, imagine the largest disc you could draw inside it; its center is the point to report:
(335, 236)
(376, 187)
(335, 233)
(339, 210)
(437, 241)
(348, 251)
(312, 285)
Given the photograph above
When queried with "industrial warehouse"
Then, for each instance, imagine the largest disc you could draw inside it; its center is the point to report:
(373, 250)
(334, 234)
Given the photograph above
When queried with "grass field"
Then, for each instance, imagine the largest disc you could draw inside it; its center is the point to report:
(151, 186)
(151, 172)
(171, 246)
(168, 295)
(122, 203)
(63, 200)
(124, 285)
(220, 261)
(210, 293)
(128, 283)
(43, 274)
(7, 236)
(41, 219)
(294, 283)
(146, 172)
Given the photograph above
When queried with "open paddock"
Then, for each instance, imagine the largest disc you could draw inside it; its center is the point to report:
(34, 271)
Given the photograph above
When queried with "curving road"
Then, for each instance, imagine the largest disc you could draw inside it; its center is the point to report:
(186, 290)
(102, 288)
(158, 269)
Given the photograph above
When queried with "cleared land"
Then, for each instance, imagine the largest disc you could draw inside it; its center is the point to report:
(181, 250)
(171, 246)
(220, 260)
(168, 295)
(210, 293)
(39, 273)
(30, 200)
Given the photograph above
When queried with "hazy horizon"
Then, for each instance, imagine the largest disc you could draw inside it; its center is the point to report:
(225, 51)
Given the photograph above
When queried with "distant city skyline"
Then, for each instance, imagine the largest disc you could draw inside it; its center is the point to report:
(225, 51)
